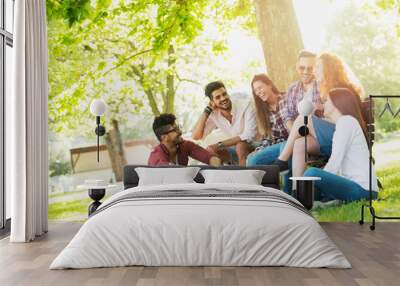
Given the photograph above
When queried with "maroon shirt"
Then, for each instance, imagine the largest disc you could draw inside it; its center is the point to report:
(160, 156)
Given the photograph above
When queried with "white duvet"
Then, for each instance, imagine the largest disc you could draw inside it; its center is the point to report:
(200, 231)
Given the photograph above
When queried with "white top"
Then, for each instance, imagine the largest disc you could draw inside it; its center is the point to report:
(94, 187)
(350, 154)
(243, 121)
(305, 178)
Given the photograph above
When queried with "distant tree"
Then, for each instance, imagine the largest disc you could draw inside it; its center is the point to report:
(368, 44)
(126, 53)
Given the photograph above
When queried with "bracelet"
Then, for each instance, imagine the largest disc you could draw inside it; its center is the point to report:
(220, 145)
(207, 110)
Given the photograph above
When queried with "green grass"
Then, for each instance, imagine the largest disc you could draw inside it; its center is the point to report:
(69, 209)
(387, 156)
(387, 205)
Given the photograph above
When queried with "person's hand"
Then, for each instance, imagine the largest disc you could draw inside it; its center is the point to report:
(211, 105)
(319, 109)
(318, 106)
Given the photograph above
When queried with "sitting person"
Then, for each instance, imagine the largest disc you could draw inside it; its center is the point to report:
(235, 119)
(346, 175)
(330, 73)
(270, 105)
(173, 150)
(306, 86)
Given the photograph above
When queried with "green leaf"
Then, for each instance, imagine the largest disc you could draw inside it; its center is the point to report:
(101, 66)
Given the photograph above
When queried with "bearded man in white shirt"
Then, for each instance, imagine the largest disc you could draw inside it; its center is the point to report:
(237, 120)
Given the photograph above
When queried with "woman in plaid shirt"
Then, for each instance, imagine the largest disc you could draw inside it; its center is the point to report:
(270, 105)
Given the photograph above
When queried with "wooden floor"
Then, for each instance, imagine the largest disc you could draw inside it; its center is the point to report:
(375, 257)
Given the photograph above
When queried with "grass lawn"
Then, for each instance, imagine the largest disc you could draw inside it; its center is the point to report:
(75, 210)
(387, 205)
(68, 209)
(386, 152)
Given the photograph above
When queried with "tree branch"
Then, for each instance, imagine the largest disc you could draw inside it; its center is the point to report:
(126, 59)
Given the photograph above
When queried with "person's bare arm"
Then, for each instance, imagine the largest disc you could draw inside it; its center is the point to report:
(289, 125)
(226, 143)
(231, 141)
(198, 129)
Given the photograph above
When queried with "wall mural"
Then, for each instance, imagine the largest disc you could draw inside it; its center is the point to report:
(219, 83)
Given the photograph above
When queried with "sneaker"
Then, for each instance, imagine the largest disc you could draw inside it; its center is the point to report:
(283, 165)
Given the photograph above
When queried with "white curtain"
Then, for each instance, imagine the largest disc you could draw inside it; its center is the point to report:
(28, 123)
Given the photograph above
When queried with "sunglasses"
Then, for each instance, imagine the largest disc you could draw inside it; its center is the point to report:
(303, 68)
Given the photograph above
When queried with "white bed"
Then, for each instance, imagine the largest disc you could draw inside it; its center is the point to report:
(185, 230)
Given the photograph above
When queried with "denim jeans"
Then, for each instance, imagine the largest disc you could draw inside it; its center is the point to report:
(267, 156)
(334, 187)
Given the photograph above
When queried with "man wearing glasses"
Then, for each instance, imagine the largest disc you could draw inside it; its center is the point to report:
(305, 86)
(237, 120)
(173, 149)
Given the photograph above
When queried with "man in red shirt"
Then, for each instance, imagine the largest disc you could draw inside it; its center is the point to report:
(173, 150)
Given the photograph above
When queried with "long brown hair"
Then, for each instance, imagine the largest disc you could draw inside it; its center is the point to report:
(262, 110)
(336, 76)
(348, 103)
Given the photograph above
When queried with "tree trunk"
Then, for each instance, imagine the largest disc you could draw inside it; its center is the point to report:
(280, 38)
(115, 150)
(170, 98)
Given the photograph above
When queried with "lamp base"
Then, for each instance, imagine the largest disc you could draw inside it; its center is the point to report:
(304, 193)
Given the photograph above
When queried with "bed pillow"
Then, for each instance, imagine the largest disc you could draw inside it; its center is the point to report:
(248, 177)
(166, 176)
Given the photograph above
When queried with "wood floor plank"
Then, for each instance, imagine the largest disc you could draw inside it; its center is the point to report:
(375, 258)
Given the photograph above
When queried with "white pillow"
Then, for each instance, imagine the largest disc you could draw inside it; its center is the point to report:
(166, 176)
(248, 177)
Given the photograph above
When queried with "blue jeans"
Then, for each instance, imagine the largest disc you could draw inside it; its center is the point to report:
(232, 153)
(324, 131)
(267, 156)
(334, 187)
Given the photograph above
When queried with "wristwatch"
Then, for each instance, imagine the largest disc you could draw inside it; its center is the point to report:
(207, 110)
(220, 145)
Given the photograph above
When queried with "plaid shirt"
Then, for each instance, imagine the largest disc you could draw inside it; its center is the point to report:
(294, 95)
(279, 133)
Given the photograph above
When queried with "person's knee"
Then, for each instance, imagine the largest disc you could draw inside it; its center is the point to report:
(298, 121)
(312, 172)
(251, 159)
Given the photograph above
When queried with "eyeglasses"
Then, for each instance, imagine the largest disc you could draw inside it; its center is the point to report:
(176, 129)
(309, 68)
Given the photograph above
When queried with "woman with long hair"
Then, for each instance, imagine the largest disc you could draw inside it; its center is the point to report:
(269, 105)
(346, 175)
(331, 72)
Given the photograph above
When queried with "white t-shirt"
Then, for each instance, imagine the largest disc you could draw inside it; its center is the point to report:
(350, 154)
(243, 121)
